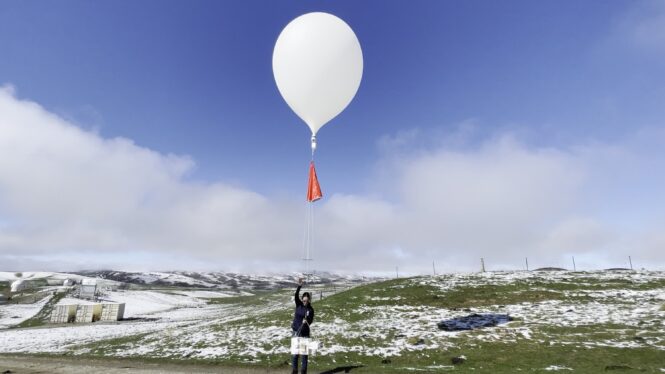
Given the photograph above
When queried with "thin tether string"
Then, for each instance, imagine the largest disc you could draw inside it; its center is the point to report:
(311, 236)
(308, 239)
(309, 223)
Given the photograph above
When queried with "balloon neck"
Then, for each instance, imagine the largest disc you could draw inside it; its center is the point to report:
(313, 144)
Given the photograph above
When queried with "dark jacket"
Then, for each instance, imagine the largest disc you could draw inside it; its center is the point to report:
(302, 312)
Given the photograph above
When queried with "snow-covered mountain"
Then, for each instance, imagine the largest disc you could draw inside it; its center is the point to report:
(218, 279)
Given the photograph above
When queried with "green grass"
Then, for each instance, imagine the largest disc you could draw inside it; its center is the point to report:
(102, 347)
(502, 358)
(549, 345)
(5, 287)
(490, 357)
(409, 292)
(414, 293)
(595, 284)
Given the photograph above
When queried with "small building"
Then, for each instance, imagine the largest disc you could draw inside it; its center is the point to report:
(88, 289)
(18, 286)
(113, 311)
(68, 282)
(87, 313)
(64, 313)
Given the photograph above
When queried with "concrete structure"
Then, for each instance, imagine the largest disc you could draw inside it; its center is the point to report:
(88, 289)
(87, 313)
(113, 311)
(64, 313)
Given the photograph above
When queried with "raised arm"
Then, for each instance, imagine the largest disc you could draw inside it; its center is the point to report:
(297, 296)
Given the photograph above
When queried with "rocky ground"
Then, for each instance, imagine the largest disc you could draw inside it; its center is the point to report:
(68, 365)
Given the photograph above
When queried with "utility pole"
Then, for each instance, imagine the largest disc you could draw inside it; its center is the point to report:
(631, 263)
(574, 267)
(396, 271)
(526, 259)
(433, 268)
(482, 264)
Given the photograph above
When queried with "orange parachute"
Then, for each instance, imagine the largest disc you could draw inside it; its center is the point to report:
(313, 187)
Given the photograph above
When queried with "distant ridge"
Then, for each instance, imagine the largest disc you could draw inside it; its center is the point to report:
(217, 279)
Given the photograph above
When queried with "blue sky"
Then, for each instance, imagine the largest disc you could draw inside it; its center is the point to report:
(194, 79)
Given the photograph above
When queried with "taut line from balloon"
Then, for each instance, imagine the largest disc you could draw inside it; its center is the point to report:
(313, 145)
(309, 233)
(308, 241)
(313, 194)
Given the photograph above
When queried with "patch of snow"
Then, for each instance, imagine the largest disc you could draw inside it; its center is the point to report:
(207, 294)
(142, 303)
(13, 314)
(11, 276)
(181, 324)
(557, 368)
(74, 301)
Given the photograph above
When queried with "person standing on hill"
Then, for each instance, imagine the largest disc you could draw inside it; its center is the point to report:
(302, 318)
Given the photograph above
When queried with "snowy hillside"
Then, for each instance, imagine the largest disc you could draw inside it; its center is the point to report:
(558, 320)
(217, 280)
(181, 279)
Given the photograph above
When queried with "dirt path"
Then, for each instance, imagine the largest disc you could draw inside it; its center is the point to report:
(24, 364)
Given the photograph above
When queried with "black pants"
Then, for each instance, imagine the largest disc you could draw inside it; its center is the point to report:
(294, 358)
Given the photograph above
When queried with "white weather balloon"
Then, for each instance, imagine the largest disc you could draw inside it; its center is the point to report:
(318, 64)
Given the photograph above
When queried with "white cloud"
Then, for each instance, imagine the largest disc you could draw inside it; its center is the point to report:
(64, 189)
(69, 195)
